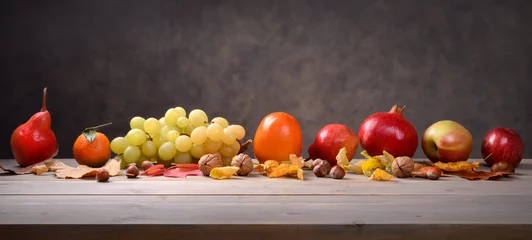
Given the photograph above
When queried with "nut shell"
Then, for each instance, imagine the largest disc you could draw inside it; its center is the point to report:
(402, 167)
(244, 162)
(208, 162)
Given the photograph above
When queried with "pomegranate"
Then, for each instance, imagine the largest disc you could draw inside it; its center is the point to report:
(388, 131)
(330, 139)
(502, 145)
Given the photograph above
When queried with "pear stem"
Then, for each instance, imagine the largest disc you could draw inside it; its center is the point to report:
(43, 100)
(99, 126)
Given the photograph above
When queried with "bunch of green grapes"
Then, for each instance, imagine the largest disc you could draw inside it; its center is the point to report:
(176, 138)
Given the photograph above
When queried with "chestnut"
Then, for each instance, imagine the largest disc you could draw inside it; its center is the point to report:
(433, 173)
(102, 175)
(146, 164)
(132, 171)
(337, 172)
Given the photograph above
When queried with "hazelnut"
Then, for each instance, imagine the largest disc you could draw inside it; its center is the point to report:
(315, 163)
(320, 170)
(102, 175)
(132, 171)
(243, 161)
(433, 173)
(146, 164)
(503, 167)
(208, 162)
(402, 167)
(337, 172)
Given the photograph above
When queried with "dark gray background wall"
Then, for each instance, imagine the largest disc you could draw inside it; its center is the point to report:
(321, 61)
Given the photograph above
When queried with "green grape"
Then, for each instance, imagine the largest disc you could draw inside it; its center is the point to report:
(158, 141)
(182, 157)
(152, 126)
(220, 120)
(171, 116)
(198, 117)
(182, 122)
(137, 123)
(136, 137)
(172, 135)
(235, 147)
(226, 150)
(238, 131)
(199, 135)
(162, 121)
(148, 148)
(183, 143)
(131, 154)
(197, 151)
(181, 111)
(215, 132)
(164, 131)
(167, 151)
(211, 146)
(188, 129)
(227, 160)
(229, 137)
(119, 144)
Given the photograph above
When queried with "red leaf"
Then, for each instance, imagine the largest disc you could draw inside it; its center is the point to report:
(182, 172)
(155, 170)
(186, 165)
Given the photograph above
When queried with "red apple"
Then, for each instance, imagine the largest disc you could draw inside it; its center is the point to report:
(502, 145)
(330, 139)
(447, 141)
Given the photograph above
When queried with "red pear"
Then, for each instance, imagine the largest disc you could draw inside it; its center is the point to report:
(34, 141)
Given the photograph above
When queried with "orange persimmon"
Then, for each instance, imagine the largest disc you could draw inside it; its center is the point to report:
(278, 135)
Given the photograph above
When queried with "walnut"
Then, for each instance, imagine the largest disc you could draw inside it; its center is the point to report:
(208, 162)
(243, 161)
(402, 167)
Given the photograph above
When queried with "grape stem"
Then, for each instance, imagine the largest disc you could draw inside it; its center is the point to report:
(244, 146)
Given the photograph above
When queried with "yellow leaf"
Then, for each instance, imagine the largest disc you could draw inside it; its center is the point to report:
(223, 172)
(457, 166)
(380, 175)
(371, 164)
(389, 157)
(279, 171)
(300, 174)
(357, 167)
(341, 159)
(296, 161)
(365, 154)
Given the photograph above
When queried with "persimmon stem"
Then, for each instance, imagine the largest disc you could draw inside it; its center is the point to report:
(43, 100)
(99, 126)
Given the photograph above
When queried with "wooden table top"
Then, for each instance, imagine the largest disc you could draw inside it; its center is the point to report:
(255, 199)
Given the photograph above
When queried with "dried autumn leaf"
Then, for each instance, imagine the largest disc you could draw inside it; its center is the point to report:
(81, 171)
(418, 166)
(280, 171)
(296, 161)
(341, 159)
(183, 170)
(357, 167)
(480, 175)
(421, 171)
(155, 170)
(266, 167)
(380, 175)
(28, 169)
(223, 172)
(457, 166)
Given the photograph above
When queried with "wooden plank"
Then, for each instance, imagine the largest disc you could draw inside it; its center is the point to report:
(267, 232)
(443, 209)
